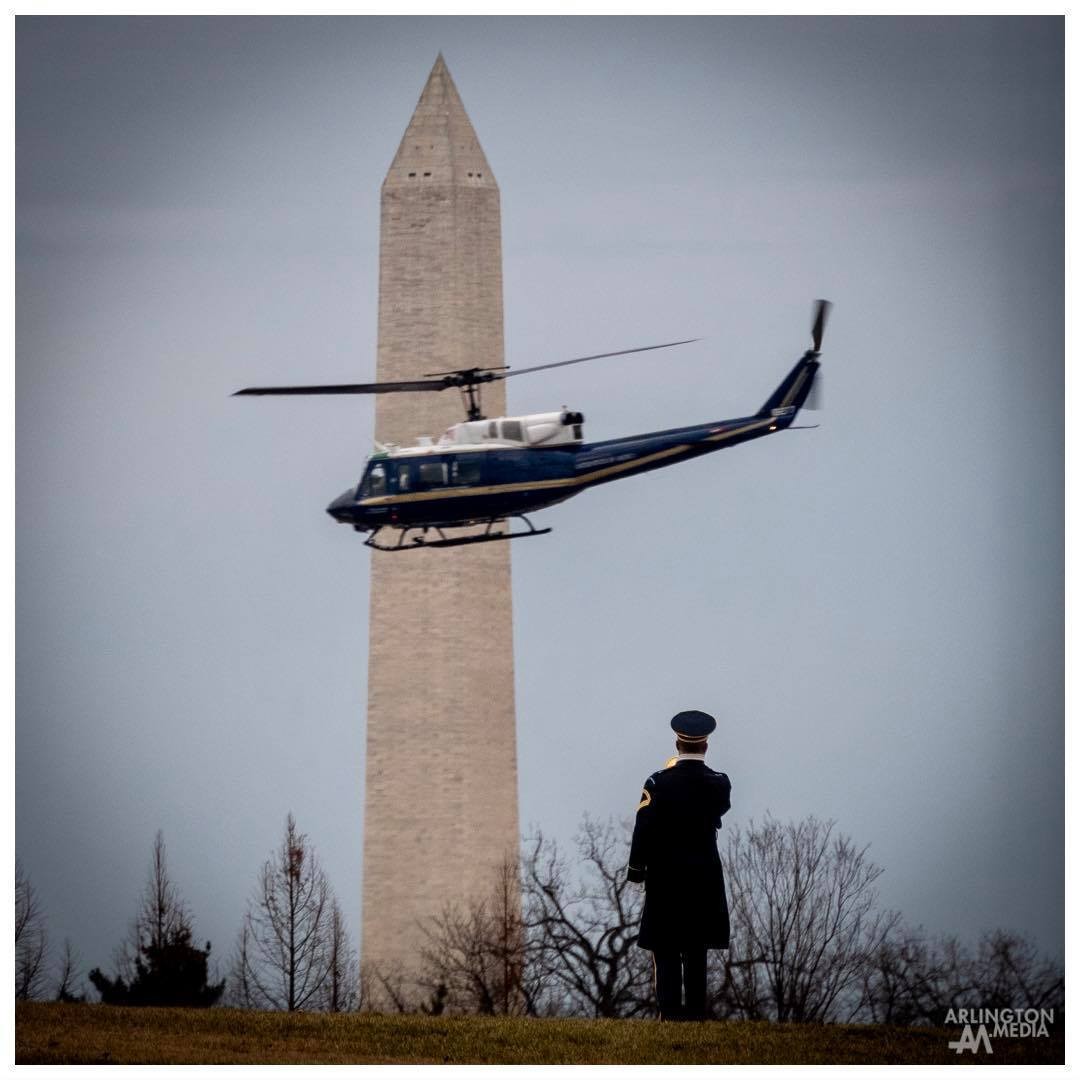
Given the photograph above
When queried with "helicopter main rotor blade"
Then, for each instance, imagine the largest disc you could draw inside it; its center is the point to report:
(463, 378)
(346, 388)
(821, 313)
(595, 356)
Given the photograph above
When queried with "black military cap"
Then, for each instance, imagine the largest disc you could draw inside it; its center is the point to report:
(693, 726)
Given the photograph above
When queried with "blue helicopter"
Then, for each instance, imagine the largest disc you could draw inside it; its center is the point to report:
(483, 472)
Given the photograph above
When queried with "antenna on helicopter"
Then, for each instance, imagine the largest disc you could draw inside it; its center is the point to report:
(467, 380)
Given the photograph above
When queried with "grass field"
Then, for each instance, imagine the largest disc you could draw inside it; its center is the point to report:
(99, 1034)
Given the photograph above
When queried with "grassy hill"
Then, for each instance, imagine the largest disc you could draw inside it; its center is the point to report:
(96, 1034)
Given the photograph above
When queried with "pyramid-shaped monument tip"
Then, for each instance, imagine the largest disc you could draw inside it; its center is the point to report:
(440, 145)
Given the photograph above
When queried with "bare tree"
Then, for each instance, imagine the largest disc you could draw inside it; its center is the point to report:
(381, 985)
(474, 960)
(916, 980)
(516, 989)
(582, 925)
(553, 936)
(911, 979)
(343, 975)
(31, 939)
(162, 913)
(283, 954)
(69, 974)
(240, 993)
(1009, 973)
(805, 921)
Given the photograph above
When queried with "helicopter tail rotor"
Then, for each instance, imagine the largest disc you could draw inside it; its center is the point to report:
(821, 313)
(815, 400)
(802, 387)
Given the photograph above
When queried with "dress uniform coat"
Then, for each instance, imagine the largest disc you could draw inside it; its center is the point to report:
(673, 851)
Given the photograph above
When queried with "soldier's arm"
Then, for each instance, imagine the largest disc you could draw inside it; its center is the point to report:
(723, 796)
(639, 845)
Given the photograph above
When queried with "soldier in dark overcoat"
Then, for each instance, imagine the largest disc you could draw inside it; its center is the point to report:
(674, 853)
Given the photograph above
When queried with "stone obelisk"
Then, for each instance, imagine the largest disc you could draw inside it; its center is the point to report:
(441, 790)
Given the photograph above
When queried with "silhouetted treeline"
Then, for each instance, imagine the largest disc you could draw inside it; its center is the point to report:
(810, 941)
(293, 951)
(556, 936)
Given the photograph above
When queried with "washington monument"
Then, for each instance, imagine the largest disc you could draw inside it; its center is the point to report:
(441, 790)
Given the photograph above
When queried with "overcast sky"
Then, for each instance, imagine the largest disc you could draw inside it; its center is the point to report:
(873, 610)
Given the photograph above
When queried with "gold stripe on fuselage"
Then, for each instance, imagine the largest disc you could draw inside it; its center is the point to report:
(563, 481)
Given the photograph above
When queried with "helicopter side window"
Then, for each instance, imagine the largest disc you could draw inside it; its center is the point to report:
(403, 477)
(374, 483)
(431, 474)
(466, 470)
(511, 430)
(493, 430)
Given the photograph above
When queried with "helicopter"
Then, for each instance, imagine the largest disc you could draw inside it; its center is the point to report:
(484, 472)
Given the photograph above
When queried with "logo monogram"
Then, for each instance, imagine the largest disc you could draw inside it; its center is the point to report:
(972, 1041)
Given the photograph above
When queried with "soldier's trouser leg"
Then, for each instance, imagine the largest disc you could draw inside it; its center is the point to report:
(694, 978)
(668, 970)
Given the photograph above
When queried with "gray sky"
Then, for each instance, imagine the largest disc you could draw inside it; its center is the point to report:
(873, 610)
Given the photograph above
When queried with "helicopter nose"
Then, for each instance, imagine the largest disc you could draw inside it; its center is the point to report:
(341, 508)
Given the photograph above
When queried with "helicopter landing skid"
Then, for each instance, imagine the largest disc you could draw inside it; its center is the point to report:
(421, 541)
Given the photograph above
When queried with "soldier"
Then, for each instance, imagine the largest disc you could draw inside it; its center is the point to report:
(673, 852)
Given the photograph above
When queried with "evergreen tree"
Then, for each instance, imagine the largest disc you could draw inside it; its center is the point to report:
(167, 969)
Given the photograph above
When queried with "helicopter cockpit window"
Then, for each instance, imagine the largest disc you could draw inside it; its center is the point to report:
(375, 482)
(466, 470)
(432, 474)
(511, 430)
(403, 478)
